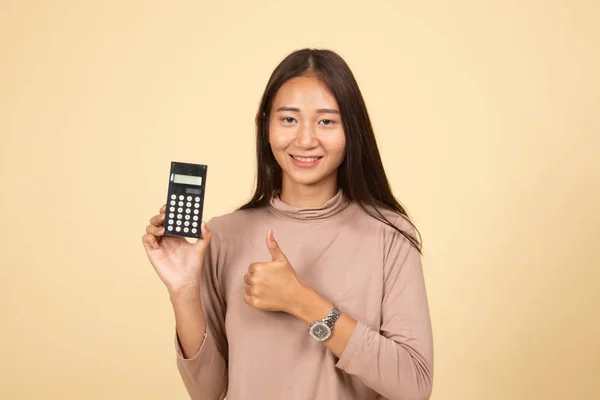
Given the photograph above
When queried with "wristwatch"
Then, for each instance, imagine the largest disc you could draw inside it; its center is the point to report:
(321, 329)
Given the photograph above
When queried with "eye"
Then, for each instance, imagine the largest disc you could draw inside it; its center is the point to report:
(288, 120)
(330, 122)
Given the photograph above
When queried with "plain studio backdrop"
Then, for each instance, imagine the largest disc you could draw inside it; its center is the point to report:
(487, 114)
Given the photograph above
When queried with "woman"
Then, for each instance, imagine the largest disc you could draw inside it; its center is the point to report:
(314, 288)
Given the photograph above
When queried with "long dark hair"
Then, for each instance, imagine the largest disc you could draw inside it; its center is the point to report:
(369, 186)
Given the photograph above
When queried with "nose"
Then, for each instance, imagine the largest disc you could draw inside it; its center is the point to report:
(305, 137)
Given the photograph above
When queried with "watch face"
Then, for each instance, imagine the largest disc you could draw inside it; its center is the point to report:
(320, 331)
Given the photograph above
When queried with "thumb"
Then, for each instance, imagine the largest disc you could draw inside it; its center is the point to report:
(276, 253)
(205, 237)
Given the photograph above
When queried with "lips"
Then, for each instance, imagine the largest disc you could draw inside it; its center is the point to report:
(306, 159)
(305, 162)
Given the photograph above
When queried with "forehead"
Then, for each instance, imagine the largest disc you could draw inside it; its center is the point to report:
(305, 91)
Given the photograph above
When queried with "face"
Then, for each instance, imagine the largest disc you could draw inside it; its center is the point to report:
(306, 133)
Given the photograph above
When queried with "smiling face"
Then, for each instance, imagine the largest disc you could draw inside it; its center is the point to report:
(306, 134)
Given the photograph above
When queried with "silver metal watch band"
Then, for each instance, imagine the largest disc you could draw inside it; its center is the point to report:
(332, 317)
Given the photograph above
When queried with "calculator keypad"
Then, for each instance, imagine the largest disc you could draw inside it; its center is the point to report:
(183, 214)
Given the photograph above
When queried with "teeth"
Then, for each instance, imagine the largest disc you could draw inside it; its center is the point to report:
(306, 159)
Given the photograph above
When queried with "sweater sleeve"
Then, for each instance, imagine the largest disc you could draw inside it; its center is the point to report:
(397, 361)
(205, 373)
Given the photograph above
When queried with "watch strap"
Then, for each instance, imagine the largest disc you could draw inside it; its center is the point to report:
(332, 317)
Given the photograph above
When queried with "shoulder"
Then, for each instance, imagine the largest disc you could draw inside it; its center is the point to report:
(393, 231)
(399, 240)
(373, 219)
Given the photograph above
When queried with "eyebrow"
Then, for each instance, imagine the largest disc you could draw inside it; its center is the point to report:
(320, 110)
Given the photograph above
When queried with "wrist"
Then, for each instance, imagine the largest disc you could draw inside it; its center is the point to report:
(189, 293)
(311, 306)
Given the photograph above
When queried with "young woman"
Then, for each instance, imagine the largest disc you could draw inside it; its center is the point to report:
(314, 288)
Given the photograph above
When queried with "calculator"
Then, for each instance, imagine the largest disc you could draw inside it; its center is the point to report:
(185, 199)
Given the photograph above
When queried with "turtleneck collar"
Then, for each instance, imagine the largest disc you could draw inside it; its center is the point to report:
(331, 208)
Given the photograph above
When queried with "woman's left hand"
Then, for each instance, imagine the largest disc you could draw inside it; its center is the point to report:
(273, 285)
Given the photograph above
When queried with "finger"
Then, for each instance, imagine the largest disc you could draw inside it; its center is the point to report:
(155, 230)
(206, 233)
(276, 253)
(250, 279)
(254, 268)
(150, 242)
(249, 300)
(163, 209)
(158, 220)
(204, 239)
(248, 290)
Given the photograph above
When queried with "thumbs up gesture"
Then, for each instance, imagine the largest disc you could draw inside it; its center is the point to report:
(272, 285)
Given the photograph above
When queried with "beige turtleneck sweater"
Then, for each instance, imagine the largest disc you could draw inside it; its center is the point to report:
(370, 271)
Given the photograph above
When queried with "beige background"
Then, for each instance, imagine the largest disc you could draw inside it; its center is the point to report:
(487, 117)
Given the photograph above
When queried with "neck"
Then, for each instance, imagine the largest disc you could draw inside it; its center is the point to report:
(299, 195)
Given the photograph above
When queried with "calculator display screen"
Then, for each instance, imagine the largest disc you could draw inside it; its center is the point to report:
(193, 191)
(187, 179)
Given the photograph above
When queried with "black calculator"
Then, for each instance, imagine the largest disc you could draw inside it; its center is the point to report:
(185, 199)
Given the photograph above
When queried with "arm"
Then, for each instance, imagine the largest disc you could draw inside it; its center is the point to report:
(199, 362)
(199, 314)
(189, 320)
(396, 362)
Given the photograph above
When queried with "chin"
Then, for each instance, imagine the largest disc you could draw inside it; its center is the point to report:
(308, 179)
(305, 182)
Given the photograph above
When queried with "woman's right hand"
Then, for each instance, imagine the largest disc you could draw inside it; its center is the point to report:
(177, 262)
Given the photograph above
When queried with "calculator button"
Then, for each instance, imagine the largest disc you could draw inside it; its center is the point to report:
(195, 218)
(181, 197)
(194, 224)
(178, 222)
(179, 216)
(188, 204)
(171, 215)
(172, 202)
(194, 230)
(197, 199)
(186, 223)
(181, 203)
(187, 217)
(180, 210)
(196, 212)
(170, 228)
(196, 205)
(171, 209)
(187, 210)
(173, 196)
(170, 222)
(177, 228)
(185, 230)
(189, 198)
